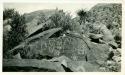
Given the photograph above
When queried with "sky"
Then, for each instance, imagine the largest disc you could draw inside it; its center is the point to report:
(71, 8)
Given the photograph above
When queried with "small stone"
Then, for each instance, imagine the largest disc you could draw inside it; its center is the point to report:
(17, 56)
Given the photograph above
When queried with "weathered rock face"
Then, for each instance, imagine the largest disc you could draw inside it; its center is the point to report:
(68, 46)
(75, 66)
(75, 48)
(105, 33)
(98, 53)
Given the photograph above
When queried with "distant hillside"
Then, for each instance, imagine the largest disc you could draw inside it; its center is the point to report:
(108, 14)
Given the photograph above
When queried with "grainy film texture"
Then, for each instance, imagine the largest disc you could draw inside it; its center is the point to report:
(52, 38)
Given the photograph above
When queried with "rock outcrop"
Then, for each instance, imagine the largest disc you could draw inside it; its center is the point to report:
(76, 48)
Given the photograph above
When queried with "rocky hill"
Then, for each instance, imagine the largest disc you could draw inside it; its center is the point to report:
(109, 15)
(71, 49)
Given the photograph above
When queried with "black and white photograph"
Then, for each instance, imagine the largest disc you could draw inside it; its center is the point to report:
(62, 37)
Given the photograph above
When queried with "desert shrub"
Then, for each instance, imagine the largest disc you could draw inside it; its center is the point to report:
(8, 13)
(82, 15)
(42, 18)
(63, 20)
(17, 32)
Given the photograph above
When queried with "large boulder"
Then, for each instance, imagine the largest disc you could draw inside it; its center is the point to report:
(77, 48)
(104, 33)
